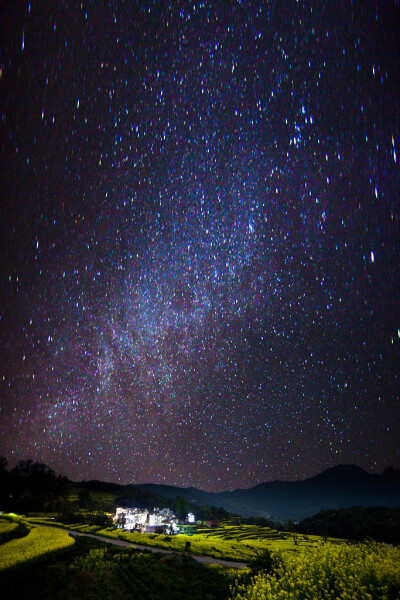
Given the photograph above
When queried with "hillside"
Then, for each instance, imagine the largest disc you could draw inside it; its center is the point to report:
(337, 487)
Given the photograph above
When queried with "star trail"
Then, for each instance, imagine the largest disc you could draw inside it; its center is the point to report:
(200, 208)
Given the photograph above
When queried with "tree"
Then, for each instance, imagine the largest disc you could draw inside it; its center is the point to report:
(356, 523)
(288, 525)
(85, 499)
(4, 484)
(181, 508)
(204, 513)
(264, 562)
(262, 522)
(121, 520)
(392, 472)
(35, 486)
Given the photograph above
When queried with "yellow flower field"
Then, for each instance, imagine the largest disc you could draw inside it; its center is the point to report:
(39, 541)
(7, 527)
(326, 572)
(237, 543)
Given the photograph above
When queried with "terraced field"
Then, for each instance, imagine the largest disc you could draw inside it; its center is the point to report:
(231, 542)
(302, 567)
(38, 542)
(7, 529)
(31, 568)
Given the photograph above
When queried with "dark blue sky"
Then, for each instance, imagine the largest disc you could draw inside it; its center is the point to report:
(199, 238)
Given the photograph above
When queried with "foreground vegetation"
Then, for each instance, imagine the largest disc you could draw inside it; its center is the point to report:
(8, 530)
(91, 568)
(46, 563)
(37, 543)
(349, 572)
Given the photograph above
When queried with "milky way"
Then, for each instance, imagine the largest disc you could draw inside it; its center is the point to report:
(200, 209)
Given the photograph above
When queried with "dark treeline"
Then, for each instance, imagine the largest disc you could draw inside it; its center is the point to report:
(139, 498)
(34, 487)
(262, 522)
(214, 513)
(356, 523)
(377, 523)
(31, 486)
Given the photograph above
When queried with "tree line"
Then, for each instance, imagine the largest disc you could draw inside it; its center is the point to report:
(379, 523)
(31, 486)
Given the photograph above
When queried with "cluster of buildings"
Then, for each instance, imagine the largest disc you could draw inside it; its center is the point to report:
(159, 521)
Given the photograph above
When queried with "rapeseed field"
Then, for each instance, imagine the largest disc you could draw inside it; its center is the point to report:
(38, 542)
(366, 571)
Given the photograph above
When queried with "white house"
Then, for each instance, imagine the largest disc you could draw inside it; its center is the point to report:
(132, 518)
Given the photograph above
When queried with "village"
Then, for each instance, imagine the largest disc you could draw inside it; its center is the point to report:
(160, 520)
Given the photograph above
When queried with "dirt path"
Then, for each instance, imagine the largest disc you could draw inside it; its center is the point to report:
(201, 559)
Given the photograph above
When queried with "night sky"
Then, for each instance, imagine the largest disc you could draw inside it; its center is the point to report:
(199, 225)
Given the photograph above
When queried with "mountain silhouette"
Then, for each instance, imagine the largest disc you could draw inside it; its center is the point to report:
(337, 487)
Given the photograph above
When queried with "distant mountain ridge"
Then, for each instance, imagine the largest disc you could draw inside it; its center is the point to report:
(337, 487)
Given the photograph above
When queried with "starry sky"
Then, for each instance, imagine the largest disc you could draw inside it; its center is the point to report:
(199, 228)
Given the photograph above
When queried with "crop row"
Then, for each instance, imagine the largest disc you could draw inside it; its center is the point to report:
(230, 541)
(245, 532)
(117, 573)
(7, 529)
(198, 544)
(213, 543)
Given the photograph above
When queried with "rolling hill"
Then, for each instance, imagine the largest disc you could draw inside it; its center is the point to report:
(337, 487)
